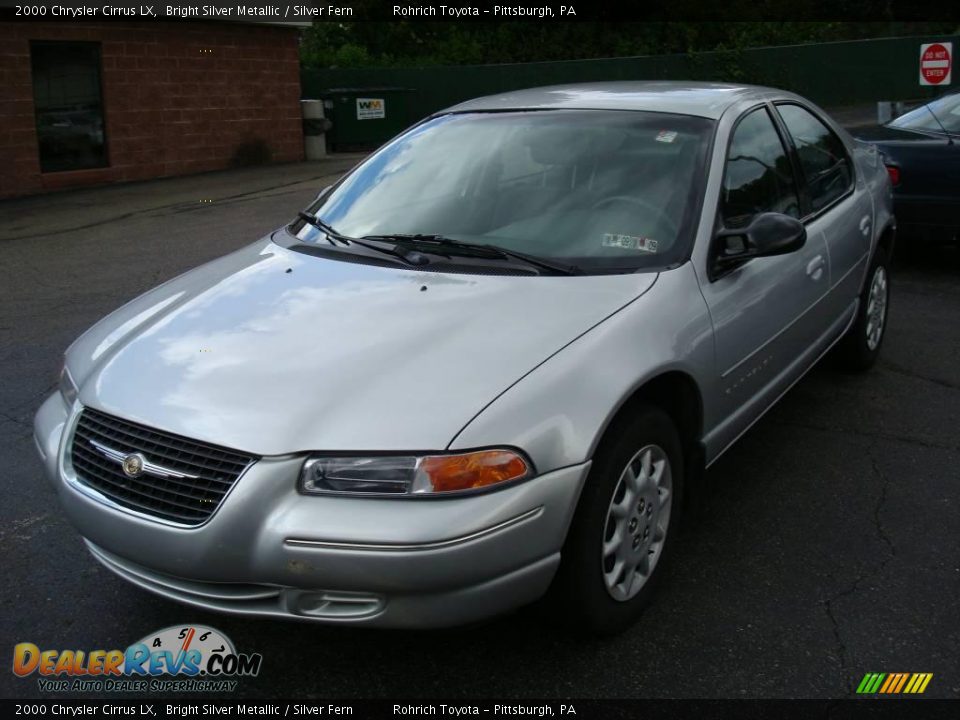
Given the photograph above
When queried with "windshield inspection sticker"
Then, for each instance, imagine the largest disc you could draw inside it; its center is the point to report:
(629, 242)
(666, 136)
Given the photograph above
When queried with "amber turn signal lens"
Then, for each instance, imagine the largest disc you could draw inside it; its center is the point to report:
(450, 473)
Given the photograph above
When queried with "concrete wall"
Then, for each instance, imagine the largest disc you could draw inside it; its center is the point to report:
(178, 98)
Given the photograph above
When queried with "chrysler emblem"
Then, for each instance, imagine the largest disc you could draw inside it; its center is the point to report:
(133, 465)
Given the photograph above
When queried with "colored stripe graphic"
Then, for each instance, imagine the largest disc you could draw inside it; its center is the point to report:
(902, 678)
(870, 682)
(894, 683)
(891, 680)
(899, 686)
(919, 683)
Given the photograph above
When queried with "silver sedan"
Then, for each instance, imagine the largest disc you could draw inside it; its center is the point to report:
(481, 368)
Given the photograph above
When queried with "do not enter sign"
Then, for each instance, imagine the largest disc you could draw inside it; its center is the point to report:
(936, 60)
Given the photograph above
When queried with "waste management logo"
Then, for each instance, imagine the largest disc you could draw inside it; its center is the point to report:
(371, 108)
(192, 658)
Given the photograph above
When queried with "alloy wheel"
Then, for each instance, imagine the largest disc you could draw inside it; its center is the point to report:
(876, 307)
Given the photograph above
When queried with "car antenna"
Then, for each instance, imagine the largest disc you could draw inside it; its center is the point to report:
(949, 136)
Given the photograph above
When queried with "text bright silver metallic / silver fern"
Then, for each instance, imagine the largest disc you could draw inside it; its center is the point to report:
(266, 392)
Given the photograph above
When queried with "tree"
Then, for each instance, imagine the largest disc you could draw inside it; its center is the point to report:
(419, 43)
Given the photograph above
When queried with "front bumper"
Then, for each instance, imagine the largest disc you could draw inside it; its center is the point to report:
(271, 551)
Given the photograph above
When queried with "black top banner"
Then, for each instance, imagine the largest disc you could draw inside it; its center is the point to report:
(308, 11)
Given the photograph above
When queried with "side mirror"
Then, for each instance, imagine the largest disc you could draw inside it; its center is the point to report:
(767, 234)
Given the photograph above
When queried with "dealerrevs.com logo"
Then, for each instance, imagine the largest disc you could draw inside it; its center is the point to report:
(191, 658)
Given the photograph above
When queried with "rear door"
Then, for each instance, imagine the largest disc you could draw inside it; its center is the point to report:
(837, 206)
(767, 312)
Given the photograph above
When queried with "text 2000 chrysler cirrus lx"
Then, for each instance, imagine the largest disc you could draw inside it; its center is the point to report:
(480, 368)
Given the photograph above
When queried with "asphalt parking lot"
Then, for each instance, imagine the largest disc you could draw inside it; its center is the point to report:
(826, 546)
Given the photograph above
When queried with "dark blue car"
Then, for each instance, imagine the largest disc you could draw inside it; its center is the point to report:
(921, 150)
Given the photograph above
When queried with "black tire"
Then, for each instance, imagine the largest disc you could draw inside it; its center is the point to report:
(579, 593)
(854, 352)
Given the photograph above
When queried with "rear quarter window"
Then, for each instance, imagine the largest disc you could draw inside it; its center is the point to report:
(826, 166)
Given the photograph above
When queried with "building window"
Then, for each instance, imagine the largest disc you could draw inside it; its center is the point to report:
(69, 105)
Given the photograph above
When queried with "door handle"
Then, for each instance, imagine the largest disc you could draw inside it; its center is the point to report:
(815, 267)
(865, 225)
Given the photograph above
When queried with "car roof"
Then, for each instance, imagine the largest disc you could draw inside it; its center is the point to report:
(704, 99)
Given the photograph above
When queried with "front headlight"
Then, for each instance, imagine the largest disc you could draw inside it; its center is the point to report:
(68, 388)
(412, 474)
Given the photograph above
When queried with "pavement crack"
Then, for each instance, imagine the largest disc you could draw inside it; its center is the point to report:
(828, 603)
(15, 421)
(906, 372)
(29, 403)
(252, 194)
(175, 207)
(835, 625)
(881, 533)
(907, 439)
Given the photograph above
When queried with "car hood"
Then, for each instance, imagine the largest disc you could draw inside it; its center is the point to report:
(273, 352)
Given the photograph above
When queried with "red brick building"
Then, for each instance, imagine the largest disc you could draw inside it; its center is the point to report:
(85, 103)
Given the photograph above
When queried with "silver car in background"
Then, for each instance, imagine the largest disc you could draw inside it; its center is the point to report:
(481, 368)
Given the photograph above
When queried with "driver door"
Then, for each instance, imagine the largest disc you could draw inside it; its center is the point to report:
(766, 312)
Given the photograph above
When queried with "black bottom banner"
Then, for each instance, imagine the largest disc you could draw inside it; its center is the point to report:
(645, 709)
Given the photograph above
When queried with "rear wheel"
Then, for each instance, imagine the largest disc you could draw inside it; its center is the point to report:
(624, 526)
(859, 348)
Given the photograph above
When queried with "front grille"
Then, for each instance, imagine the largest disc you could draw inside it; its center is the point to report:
(183, 500)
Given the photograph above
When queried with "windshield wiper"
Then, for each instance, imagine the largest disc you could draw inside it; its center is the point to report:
(476, 250)
(945, 132)
(332, 236)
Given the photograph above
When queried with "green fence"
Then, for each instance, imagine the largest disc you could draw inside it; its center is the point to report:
(830, 74)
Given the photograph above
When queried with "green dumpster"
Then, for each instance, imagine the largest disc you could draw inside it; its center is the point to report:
(364, 118)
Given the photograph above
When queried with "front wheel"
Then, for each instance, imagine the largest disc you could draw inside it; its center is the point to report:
(624, 526)
(860, 347)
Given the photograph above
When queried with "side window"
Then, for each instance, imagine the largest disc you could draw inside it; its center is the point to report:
(758, 176)
(823, 158)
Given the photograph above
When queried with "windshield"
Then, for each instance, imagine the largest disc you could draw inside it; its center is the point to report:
(946, 109)
(602, 190)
